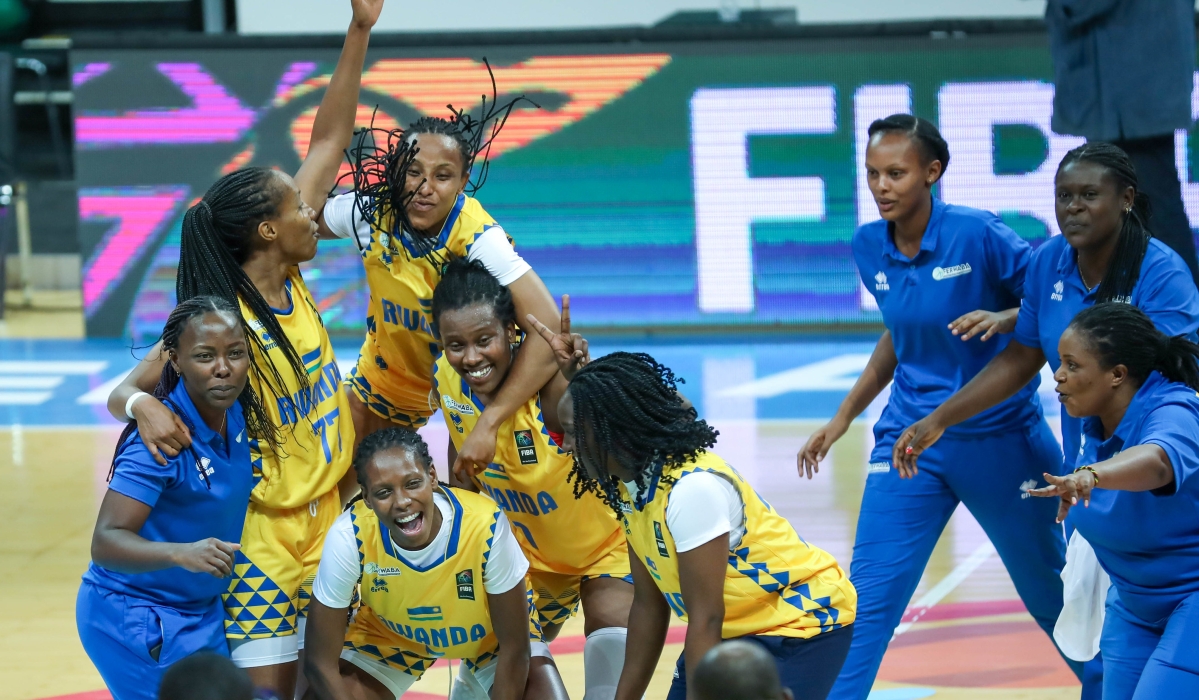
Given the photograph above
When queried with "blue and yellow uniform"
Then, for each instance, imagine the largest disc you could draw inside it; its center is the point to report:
(295, 498)
(134, 626)
(566, 540)
(1148, 542)
(394, 365)
(1055, 293)
(968, 260)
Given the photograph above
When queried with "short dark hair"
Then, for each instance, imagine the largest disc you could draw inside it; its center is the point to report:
(205, 676)
(738, 669)
(467, 283)
(921, 132)
(391, 438)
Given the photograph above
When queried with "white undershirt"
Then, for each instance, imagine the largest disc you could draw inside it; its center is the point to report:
(491, 248)
(340, 567)
(702, 507)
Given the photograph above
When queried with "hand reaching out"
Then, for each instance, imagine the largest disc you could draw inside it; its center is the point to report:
(1071, 488)
(988, 323)
(366, 12)
(570, 349)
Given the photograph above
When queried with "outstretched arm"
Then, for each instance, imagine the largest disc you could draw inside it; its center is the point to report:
(334, 124)
(1139, 468)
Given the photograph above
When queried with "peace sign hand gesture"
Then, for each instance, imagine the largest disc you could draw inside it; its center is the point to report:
(570, 349)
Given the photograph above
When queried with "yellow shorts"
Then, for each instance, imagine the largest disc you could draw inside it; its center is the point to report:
(274, 569)
(380, 405)
(556, 596)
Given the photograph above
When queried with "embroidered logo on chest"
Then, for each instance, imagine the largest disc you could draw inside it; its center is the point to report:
(525, 448)
(944, 273)
(1058, 288)
(880, 282)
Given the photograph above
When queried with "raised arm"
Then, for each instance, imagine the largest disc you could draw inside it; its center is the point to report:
(163, 432)
(880, 369)
(1139, 468)
(334, 124)
(510, 620)
(117, 546)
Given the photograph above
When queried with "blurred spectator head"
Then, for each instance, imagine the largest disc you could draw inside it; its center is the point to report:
(738, 669)
(205, 676)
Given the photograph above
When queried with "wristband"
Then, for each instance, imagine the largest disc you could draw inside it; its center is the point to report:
(129, 404)
(1090, 469)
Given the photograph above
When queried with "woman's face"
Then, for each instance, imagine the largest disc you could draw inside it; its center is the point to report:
(478, 346)
(213, 361)
(293, 228)
(400, 492)
(1084, 388)
(435, 178)
(1090, 206)
(898, 177)
(566, 416)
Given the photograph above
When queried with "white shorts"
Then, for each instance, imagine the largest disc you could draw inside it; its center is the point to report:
(469, 685)
(252, 653)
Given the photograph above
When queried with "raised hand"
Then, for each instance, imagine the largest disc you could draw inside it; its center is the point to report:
(570, 349)
(210, 556)
(1070, 488)
(366, 12)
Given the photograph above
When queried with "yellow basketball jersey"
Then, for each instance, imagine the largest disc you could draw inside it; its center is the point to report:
(775, 583)
(315, 423)
(398, 353)
(558, 533)
(410, 617)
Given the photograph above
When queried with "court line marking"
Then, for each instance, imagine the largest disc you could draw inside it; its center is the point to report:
(946, 585)
(834, 374)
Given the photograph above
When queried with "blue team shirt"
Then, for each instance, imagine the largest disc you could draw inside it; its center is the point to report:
(1054, 294)
(968, 260)
(1148, 542)
(185, 505)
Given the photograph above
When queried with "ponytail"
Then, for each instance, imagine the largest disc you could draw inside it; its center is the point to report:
(1121, 334)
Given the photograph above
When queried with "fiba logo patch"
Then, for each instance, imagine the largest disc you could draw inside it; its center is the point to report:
(661, 542)
(466, 584)
(880, 282)
(1058, 288)
(526, 450)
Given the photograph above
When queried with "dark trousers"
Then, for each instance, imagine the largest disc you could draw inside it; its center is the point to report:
(807, 666)
(1158, 179)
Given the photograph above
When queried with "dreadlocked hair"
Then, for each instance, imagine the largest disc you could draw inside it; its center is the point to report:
(920, 132)
(216, 238)
(257, 420)
(627, 405)
(1124, 270)
(468, 283)
(389, 439)
(380, 159)
(1121, 334)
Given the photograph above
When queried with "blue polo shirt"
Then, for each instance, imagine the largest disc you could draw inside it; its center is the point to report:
(1054, 294)
(1148, 542)
(968, 260)
(185, 505)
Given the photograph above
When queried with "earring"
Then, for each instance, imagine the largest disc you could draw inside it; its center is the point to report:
(1127, 210)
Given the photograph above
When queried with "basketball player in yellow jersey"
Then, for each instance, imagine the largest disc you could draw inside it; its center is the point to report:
(243, 242)
(441, 577)
(701, 541)
(575, 546)
(407, 227)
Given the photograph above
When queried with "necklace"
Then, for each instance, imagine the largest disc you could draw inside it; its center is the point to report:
(223, 417)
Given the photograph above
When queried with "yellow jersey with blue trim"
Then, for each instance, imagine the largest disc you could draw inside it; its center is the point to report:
(314, 422)
(397, 355)
(411, 616)
(775, 583)
(528, 479)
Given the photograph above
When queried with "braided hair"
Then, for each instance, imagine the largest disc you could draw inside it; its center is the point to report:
(1124, 270)
(216, 240)
(920, 132)
(257, 420)
(468, 283)
(1121, 334)
(388, 439)
(627, 405)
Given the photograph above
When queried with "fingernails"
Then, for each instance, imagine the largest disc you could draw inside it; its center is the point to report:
(907, 450)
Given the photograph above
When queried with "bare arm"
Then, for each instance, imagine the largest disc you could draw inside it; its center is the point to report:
(323, 639)
(333, 126)
(510, 620)
(649, 617)
(533, 367)
(988, 323)
(164, 433)
(1003, 376)
(701, 579)
(117, 546)
(1140, 468)
(880, 369)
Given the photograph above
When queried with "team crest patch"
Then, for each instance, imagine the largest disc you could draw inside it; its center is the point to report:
(660, 540)
(463, 408)
(466, 584)
(373, 569)
(525, 449)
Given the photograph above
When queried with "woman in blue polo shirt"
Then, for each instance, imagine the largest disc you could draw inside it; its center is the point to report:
(1136, 389)
(1105, 253)
(929, 264)
(162, 550)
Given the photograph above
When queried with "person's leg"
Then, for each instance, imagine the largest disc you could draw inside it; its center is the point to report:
(116, 639)
(1173, 669)
(369, 679)
(678, 686)
(1127, 642)
(1157, 176)
(992, 476)
(898, 526)
(606, 602)
(545, 683)
(809, 667)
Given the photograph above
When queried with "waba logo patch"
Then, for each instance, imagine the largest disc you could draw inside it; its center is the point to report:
(466, 584)
(525, 449)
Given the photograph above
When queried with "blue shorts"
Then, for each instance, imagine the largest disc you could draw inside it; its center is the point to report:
(120, 632)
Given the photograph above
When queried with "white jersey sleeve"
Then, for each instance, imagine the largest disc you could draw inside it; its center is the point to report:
(506, 564)
(339, 570)
(493, 249)
(344, 219)
(704, 506)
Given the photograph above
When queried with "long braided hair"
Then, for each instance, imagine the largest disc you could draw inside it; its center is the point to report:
(1121, 334)
(627, 405)
(257, 420)
(216, 240)
(1125, 267)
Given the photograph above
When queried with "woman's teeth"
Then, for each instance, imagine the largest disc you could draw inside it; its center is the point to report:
(411, 523)
(480, 373)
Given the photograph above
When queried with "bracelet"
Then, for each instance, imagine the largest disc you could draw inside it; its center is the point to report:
(1090, 469)
(129, 404)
